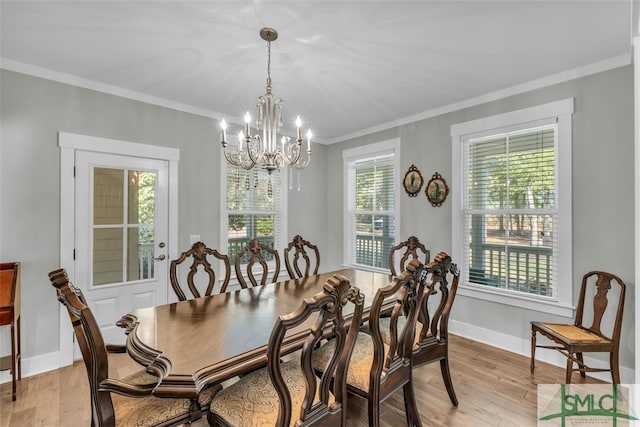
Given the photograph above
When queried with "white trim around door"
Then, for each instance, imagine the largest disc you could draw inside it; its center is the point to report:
(69, 144)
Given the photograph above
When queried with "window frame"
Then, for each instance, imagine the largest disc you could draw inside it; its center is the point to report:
(280, 233)
(561, 111)
(391, 146)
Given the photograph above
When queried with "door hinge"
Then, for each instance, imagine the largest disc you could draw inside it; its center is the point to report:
(74, 254)
(74, 171)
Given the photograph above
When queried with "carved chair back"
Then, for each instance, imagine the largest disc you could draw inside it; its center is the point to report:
(601, 286)
(301, 253)
(413, 249)
(199, 255)
(254, 258)
(432, 337)
(379, 368)
(327, 306)
(91, 345)
(304, 399)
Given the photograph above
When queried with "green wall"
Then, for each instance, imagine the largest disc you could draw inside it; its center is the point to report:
(603, 192)
(32, 112)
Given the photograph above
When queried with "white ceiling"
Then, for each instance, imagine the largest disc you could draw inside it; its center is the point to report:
(346, 67)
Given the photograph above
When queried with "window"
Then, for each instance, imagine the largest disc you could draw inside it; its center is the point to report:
(254, 202)
(371, 182)
(513, 215)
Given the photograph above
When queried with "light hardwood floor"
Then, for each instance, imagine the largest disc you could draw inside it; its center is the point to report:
(494, 388)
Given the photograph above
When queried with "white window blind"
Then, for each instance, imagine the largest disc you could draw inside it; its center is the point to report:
(370, 226)
(253, 208)
(510, 210)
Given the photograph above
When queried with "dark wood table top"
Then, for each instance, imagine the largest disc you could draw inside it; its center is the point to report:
(207, 340)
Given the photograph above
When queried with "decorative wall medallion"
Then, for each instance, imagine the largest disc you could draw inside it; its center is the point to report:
(412, 181)
(436, 190)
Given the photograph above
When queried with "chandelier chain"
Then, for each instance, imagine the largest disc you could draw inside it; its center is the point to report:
(269, 67)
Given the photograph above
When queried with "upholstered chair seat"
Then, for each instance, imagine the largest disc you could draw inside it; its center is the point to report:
(151, 410)
(253, 401)
(361, 360)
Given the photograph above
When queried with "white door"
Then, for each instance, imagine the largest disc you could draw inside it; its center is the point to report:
(121, 232)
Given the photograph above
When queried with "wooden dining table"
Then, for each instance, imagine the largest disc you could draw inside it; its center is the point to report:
(197, 343)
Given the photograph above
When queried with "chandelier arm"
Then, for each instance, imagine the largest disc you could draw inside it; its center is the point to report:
(236, 159)
(297, 165)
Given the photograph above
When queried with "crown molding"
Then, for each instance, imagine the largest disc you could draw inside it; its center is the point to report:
(20, 67)
(609, 64)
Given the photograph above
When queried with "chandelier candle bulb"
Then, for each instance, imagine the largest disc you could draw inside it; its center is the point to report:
(223, 125)
(247, 121)
(309, 141)
(298, 126)
(240, 138)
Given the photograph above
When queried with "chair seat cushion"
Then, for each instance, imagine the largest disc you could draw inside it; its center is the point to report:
(148, 411)
(151, 410)
(573, 333)
(359, 365)
(384, 329)
(253, 401)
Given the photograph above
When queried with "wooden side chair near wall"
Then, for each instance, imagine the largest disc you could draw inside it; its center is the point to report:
(302, 258)
(377, 370)
(10, 315)
(606, 292)
(198, 255)
(254, 259)
(406, 251)
(127, 401)
(287, 393)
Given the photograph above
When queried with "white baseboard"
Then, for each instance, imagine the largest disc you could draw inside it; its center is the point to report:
(522, 346)
(35, 365)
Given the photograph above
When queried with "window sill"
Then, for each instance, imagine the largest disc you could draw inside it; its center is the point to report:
(516, 299)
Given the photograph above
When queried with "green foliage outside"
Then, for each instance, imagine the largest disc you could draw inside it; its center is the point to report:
(146, 204)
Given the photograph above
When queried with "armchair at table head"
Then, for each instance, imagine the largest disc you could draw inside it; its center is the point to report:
(378, 369)
(122, 402)
(607, 294)
(199, 255)
(256, 255)
(301, 253)
(289, 392)
(413, 249)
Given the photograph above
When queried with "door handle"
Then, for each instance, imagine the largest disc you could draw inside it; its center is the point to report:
(160, 258)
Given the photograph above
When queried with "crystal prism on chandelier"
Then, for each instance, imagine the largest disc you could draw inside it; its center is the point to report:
(265, 150)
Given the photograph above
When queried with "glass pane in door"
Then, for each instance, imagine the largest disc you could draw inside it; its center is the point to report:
(123, 223)
(107, 255)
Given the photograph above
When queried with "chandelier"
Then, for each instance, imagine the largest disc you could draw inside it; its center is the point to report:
(265, 150)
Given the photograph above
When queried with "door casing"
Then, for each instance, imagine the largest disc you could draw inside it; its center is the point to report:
(69, 144)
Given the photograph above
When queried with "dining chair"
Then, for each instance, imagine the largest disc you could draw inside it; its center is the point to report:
(256, 255)
(127, 401)
(301, 258)
(603, 335)
(198, 254)
(377, 370)
(431, 342)
(286, 392)
(412, 249)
